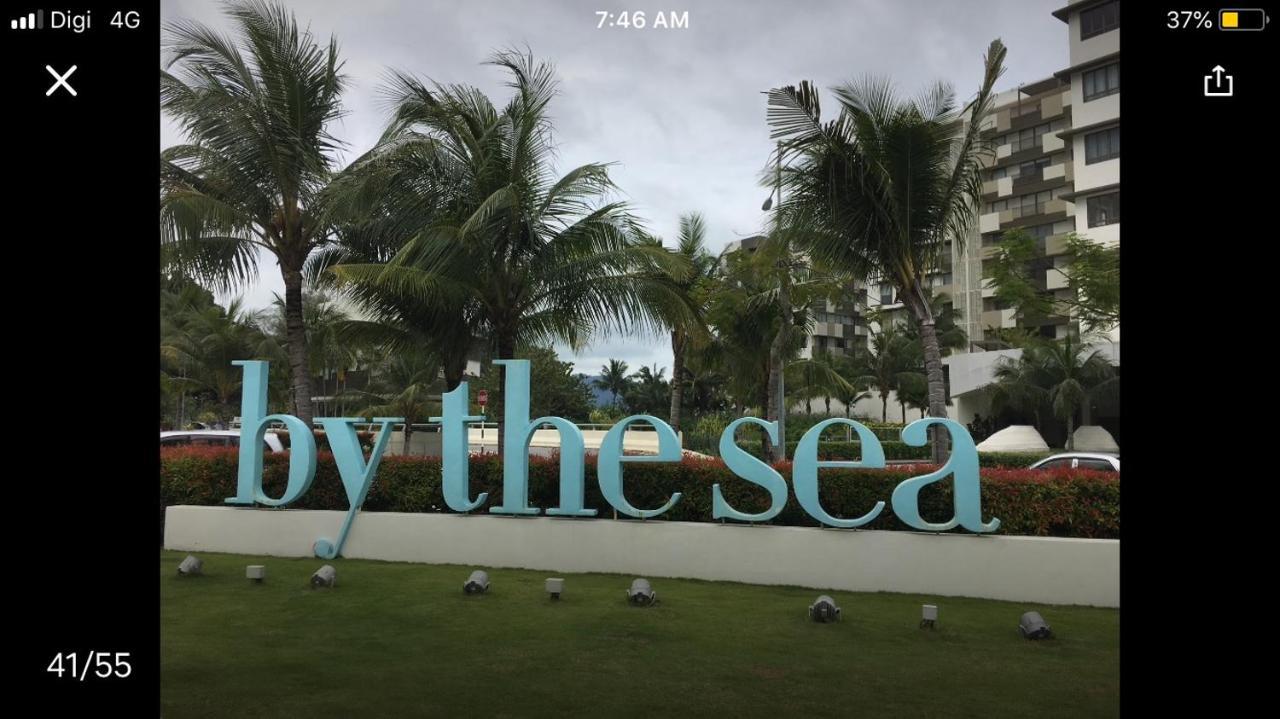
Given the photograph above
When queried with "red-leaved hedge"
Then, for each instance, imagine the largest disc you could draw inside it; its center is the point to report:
(1057, 503)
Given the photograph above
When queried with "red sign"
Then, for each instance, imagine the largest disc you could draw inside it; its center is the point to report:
(482, 397)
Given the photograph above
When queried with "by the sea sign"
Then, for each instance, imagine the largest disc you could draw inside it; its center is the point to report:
(358, 473)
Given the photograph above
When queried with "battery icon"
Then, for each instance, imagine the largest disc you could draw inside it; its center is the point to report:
(1242, 19)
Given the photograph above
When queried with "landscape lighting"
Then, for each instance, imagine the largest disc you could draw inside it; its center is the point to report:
(928, 616)
(1033, 626)
(554, 587)
(325, 576)
(824, 610)
(477, 583)
(191, 567)
(641, 593)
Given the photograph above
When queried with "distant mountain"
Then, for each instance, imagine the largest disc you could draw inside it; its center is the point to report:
(601, 397)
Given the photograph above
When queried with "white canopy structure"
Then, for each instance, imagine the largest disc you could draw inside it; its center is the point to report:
(1014, 438)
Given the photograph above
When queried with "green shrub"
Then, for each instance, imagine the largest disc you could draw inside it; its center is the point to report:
(1067, 503)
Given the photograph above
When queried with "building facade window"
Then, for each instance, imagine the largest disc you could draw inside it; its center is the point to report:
(886, 294)
(1032, 203)
(1029, 137)
(1103, 209)
(1101, 82)
(1101, 145)
(1099, 19)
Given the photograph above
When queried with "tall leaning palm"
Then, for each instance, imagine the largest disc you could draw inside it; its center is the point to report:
(531, 257)
(255, 108)
(886, 184)
(696, 272)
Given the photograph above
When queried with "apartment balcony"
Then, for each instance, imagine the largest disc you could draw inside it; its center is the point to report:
(989, 222)
(1058, 206)
(999, 318)
(1056, 244)
(1053, 172)
(1054, 280)
(1003, 151)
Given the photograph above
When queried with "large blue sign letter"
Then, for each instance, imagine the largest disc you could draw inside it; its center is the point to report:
(456, 449)
(517, 431)
(357, 476)
(253, 430)
(609, 464)
(966, 488)
(804, 474)
(751, 469)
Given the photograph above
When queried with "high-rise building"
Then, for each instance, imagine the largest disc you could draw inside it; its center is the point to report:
(1056, 171)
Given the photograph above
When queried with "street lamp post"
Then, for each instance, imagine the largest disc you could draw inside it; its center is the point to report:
(782, 370)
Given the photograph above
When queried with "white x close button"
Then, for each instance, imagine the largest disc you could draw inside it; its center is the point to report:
(61, 80)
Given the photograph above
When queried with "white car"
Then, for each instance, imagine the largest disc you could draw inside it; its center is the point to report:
(1081, 460)
(214, 438)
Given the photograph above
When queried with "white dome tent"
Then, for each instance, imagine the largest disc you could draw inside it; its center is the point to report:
(1014, 438)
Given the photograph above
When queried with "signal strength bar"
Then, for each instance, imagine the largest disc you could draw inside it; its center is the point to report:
(30, 21)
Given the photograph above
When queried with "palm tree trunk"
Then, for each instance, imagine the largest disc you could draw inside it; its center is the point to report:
(296, 337)
(1071, 442)
(677, 378)
(937, 386)
(453, 373)
(884, 406)
(506, 346)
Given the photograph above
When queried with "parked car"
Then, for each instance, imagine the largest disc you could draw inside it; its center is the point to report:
(214, 438)
(1081, 460)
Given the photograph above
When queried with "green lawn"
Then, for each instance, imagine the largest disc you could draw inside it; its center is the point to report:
(403, 640)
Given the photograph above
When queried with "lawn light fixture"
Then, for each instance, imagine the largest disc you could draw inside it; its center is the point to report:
(325, 576)
(554, 587)
(255, 573)
(824, 610)
(477, 583)
(641, 594)
(191, 567)
(1033, 626)
(928, 616)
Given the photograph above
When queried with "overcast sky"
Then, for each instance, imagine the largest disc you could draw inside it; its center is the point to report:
(680, 111)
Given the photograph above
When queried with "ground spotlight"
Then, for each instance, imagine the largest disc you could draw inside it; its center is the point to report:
(325, 576)
(641, 593)
(824, 610)
(554, 587)
(191, 567)
(255, 573)
(1033, 626)
(477, 583)
(928, 616)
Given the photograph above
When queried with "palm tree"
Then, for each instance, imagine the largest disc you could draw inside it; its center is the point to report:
(204, 341)
(884, 186)
(883, 363)
(407, 386)
(329, 353)
(649, 389)
(530, 257)
(1061, 376)
(613, 379)
(253, 175)
(695, 273)
(816, 377)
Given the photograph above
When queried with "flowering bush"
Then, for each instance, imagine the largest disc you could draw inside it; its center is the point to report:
(1059, 503)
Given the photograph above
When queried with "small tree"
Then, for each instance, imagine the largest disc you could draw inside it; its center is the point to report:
(1058, 376)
